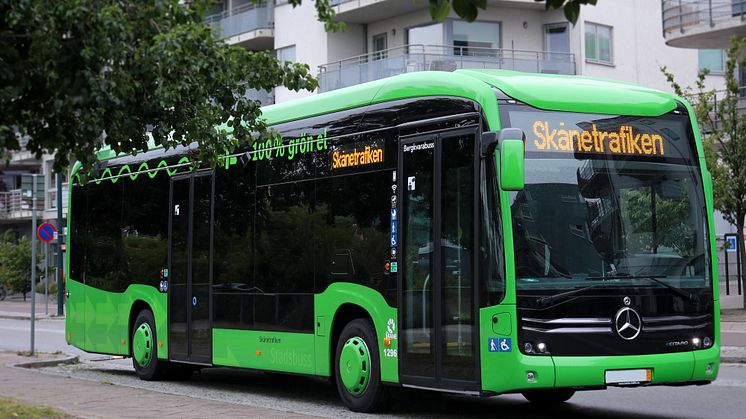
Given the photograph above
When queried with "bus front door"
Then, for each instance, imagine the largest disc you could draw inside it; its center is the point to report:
(190, 257)
(438, 334)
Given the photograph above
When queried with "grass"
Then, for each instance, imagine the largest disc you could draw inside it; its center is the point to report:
(13, 409)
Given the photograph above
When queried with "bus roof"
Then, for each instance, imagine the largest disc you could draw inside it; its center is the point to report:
(544, 91)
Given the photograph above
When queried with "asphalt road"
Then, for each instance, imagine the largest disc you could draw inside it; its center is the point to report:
(722, 399)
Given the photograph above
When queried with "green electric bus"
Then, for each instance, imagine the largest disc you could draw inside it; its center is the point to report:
(478, 231)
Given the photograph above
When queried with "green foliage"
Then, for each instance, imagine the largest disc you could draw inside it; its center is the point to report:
(52, 287)
(77, 75)
(15, 263)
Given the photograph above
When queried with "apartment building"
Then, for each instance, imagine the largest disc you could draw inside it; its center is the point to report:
(615, 39)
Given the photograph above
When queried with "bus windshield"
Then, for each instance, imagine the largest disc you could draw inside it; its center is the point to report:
(608, 197)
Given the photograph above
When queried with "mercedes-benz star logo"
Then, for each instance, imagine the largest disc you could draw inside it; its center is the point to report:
(628, 323)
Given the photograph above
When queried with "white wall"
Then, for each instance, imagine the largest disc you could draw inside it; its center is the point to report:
(300, 27)
(639, 48)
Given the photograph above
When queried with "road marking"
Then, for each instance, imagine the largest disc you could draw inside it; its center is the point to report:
(28, 329)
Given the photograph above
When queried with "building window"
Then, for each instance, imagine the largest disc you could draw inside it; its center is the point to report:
(286, 53)
(598, 43)
(475, 38)
(379, 46)
(712, 59)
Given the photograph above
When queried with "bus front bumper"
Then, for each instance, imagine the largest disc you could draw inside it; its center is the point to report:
(681, 368)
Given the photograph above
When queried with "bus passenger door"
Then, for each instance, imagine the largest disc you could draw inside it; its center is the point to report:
(438, 330)
(190, 261)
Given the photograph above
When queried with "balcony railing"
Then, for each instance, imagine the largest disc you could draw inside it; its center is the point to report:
(680, 15)
(13, 207)
(241, 19)
(411, 58)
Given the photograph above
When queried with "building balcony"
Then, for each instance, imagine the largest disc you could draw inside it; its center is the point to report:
(23, 157)
(250, 26)
(703, 23)
(366, 11)
(14, 207)
(411, 58)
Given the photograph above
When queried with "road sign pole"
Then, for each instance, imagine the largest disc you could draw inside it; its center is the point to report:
(46, 279)
(727, 268)
(33, 260)
(60, 229)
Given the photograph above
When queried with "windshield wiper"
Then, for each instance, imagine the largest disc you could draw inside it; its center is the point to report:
(552, 298)
(693, 298)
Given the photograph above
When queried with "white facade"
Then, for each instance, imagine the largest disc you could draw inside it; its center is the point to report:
(638, 48)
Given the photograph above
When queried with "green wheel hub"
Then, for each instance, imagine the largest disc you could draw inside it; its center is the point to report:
(354, 365)
(142, 345)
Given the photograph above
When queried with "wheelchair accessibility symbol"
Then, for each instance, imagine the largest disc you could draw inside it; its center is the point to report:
(500, 345)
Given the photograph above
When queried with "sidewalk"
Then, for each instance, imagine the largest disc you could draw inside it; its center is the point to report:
(13, 307)
(90, 399)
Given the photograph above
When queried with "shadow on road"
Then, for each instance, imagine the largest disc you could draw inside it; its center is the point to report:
(405, 402)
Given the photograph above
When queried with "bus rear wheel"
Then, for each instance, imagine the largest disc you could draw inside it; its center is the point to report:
(144, 349)
(357, 368)
(555, 396)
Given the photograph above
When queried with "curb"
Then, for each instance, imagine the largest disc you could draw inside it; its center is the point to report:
(733, 360)
(48, 363)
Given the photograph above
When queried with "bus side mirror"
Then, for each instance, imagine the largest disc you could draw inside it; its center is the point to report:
(512, 159)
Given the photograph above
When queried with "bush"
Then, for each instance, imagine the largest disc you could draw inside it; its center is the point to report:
(15, 263)
(52, 287)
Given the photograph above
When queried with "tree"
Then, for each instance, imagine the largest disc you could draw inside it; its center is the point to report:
(723, 130)
(76, 75)
(15, 264)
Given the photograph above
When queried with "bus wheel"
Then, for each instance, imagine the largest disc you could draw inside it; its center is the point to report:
(144, 350)
(357, 368)
(549, 396)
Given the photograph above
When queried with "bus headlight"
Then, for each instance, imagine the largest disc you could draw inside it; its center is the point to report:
(528, 347)
(541, 347)
(696, 343)
(707, 341)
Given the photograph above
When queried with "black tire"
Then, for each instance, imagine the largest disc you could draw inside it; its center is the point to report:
(549, 397)
(155, 369)
(375, 394)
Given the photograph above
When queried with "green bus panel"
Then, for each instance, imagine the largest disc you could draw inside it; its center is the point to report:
(104, 317)
(273, 351)
(75, 318)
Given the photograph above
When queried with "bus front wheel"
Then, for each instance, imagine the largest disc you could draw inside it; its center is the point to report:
(144, 349)
(357, 368)
(549, 396)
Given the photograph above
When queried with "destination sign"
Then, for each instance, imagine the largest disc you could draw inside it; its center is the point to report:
(577, 135)
(623, 140)
(357, 157)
